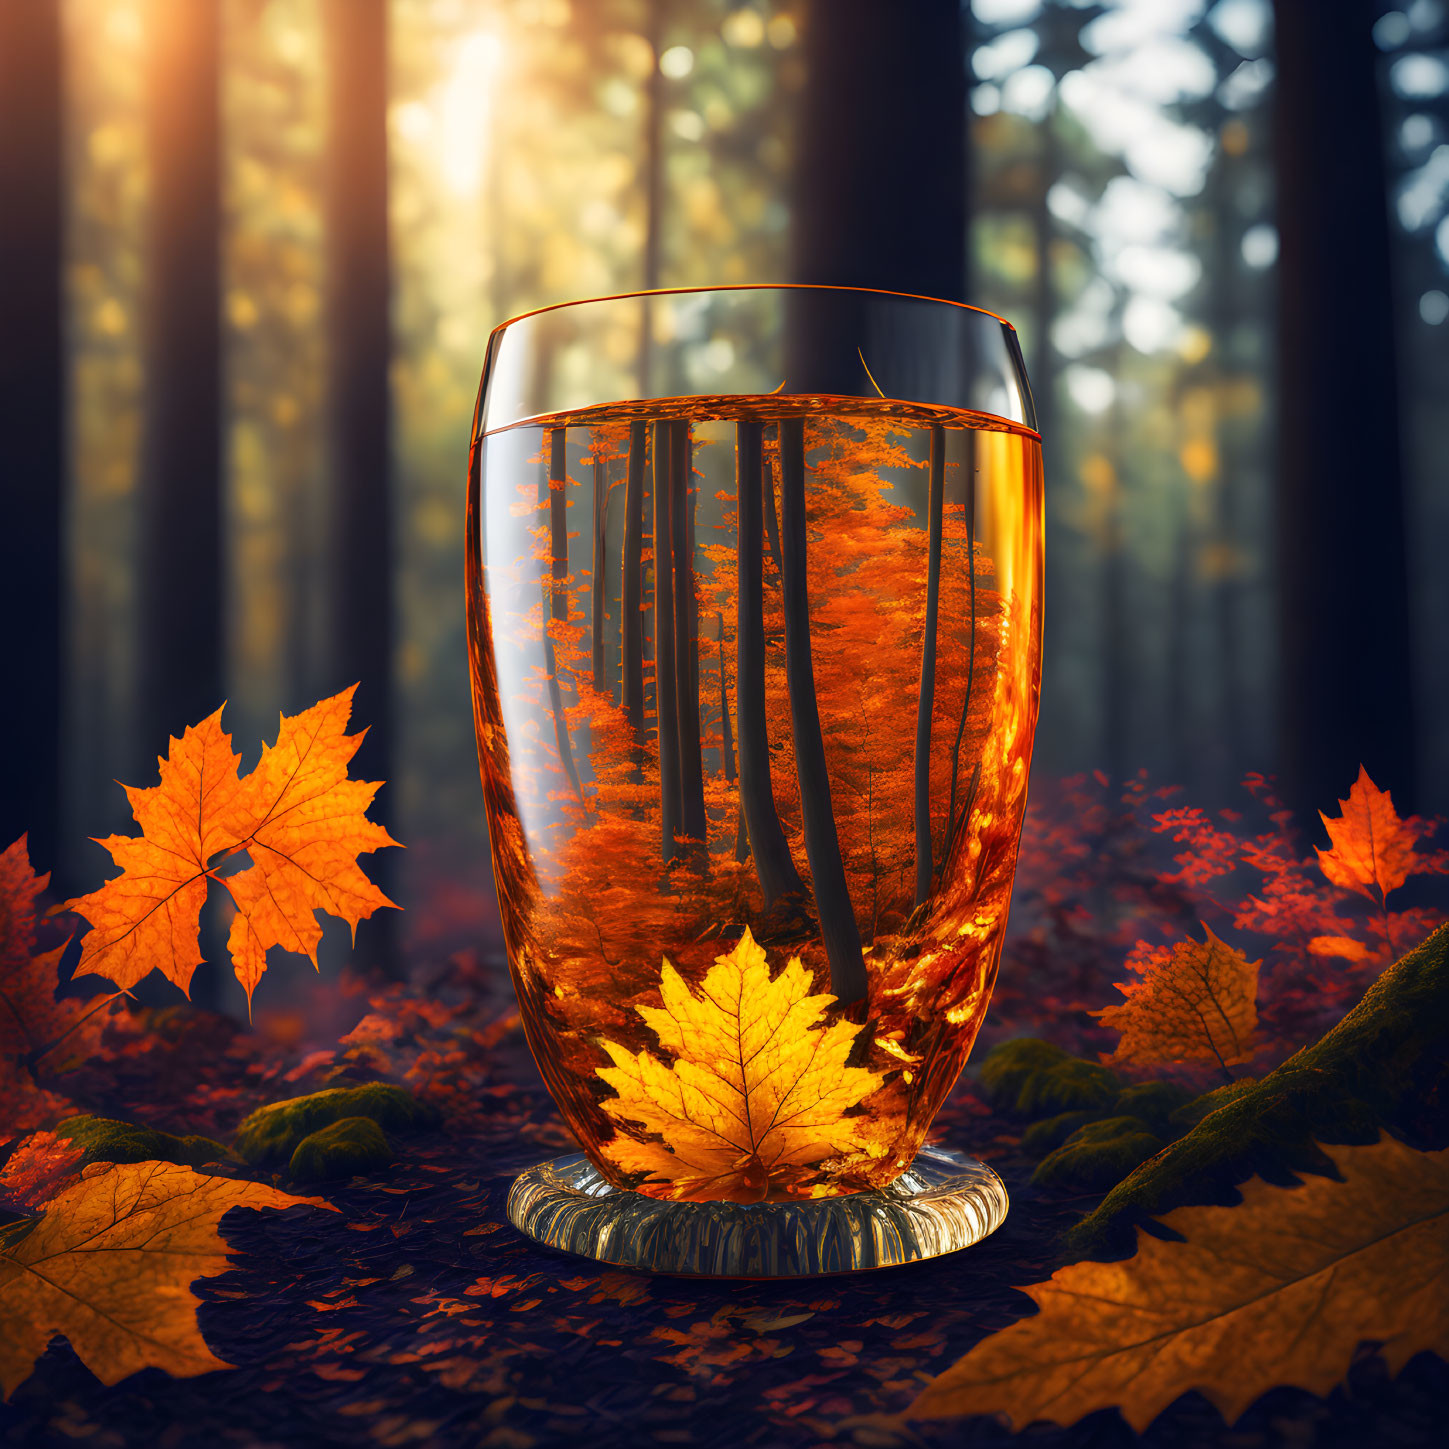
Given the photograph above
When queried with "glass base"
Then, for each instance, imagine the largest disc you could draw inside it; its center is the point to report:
(943, 1202)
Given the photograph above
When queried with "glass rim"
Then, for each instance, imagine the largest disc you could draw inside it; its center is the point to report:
(938, 353)
(744, 287)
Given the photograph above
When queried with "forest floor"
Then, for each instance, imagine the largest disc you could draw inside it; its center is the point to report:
(417, 1315)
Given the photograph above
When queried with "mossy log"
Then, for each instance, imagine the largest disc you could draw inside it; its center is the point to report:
(1384, 1066)
(1098, 1154)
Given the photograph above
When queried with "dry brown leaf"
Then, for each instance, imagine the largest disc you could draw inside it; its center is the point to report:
(1373, 850)
(1196, 1002)
(758, 1090)
(1278, 1290)
(110, 1266)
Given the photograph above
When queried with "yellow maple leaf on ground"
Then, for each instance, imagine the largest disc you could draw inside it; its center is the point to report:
(297, 815)
(1197, 1001)
(1373, 850)
(110, 1266)
(756, 1096)
(1278, 1290)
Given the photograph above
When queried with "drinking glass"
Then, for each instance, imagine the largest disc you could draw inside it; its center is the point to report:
(754, 619)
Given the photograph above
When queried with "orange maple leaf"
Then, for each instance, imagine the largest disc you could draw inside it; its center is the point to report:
(756, 1097)
(1342, 946)
(1280, 1289)
(300, 819)
(34, 1024)
(1373, 850)
(1196, 1002)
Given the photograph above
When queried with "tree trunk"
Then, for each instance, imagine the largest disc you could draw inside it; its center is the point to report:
(631, 587)
(358, 402)
(32, 424)
(772, 521)
(727, 743)
(762, 833)
(556, 500)
(666, 699)
(926, 698)
(180, 649)
(1344, 666)
(692, 819)
(598, 606)
(832, 898)
(882, 116)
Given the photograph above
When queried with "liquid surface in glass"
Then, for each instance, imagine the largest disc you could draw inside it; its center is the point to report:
(755, 683)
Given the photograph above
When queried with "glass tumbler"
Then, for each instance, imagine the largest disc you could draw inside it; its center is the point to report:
(754, 607)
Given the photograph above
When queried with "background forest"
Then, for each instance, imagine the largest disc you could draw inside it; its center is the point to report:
(253, 249)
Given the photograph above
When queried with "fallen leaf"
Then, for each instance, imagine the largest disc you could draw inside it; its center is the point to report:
(1196, 1002)
(110, 1266)
(1373, 850)
(757, 1091)
(38, 1169)
(32, 1020)
(1280, 1289)
(1344, 946)
(298, 817)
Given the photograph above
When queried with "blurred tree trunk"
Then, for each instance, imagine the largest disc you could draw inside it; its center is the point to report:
(597, 598)
(631, 588)
(32, 422)
(760, 830)
(653, 190)
(359, 518)
(926, 695)
(665, 679)
(880, 168)
(838, 928)
(553, 499)
(1345, 664)
(181, 645)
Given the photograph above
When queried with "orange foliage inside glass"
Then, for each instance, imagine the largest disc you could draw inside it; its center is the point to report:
(753, 947)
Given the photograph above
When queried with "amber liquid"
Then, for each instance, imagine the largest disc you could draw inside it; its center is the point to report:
(887, 580)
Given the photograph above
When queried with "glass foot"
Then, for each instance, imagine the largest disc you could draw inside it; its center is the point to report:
(943, 1202)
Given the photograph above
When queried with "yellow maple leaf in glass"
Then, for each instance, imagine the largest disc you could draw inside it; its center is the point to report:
(756, 1097)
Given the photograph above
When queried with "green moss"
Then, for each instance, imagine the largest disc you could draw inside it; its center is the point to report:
(105, 1140)
(1071, 1085)
(1048, 1134)
(1006, 1068)
(1097, 1155)
(1192, 1112)
(272, 1134)
(1385, 1065)
(1156, 1103)
(1033, 1079)
(347, 1147)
